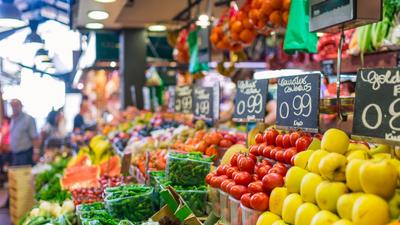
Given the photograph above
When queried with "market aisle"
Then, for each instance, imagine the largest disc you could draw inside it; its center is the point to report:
(4, 213)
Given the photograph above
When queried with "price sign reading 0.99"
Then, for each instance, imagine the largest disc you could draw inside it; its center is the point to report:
(298, 102)
(183, 99)
(377, 104)
(250, 100)
(203, 102)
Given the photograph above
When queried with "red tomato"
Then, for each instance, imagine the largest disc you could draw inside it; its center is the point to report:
(289, 153)
(234, 159)
(279, 170)
(286, 141)
(279, 164)
(245, 200)
(266, 162)
(242, 178)
(318, 136)
(209, 176)
(221, 170)
(267, 151)
(271, 181)
(273, 152)
(225, 184)
(213, 182)
(261, 148)
(302, 143)
(259, 201)
(246, 163)
(253, 157)
(279, 156)
(254, 187)
(237, 191)
(254, 149)
(225, 143)
(254, 177)
(259, 138)
(229, 186)
(279, 140)
(270, 136)
(262, 171)
(231, 170)
(218, 181)
(293, 138)
(292, 160)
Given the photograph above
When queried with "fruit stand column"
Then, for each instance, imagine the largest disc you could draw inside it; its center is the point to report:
(132, 58)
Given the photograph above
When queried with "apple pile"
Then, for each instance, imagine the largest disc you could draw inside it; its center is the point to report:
(247, 180)
(341, 183)
(280, 147)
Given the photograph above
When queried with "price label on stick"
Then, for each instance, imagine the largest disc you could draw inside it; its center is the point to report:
(250, 100)
(183, 99)
(377, 105)
(298, 102)
(203, 102)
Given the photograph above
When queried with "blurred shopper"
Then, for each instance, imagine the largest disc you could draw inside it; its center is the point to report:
(53, 132)
(23, 136)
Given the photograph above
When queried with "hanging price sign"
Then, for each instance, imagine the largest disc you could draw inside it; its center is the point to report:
(183, 99)
(377, 105)
(298, 102)
(206, 102)
(250, 100)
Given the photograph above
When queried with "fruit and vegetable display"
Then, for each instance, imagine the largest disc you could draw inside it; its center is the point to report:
(51, 214)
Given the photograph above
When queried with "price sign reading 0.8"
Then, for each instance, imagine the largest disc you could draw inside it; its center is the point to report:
(298, 102)
(183, 99)
(203, 102)
(377, 104)
(250, 100)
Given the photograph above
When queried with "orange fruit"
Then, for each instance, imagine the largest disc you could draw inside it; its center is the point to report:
(276, 18)
(235, 36)
(253, 14)
(236, 47)
(236, 26)
(285, 17)
(247, 36)
(226, 42)
(247, 24)
(286, 4)
(276, 4)
(214, 38)
(256, 4)
(218, 30)
(267, 8)
(261, 24)
(241, 15)
(220, 45)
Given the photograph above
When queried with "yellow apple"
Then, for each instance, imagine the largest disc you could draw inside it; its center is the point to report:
(356, 147)
(315, 158)
(335, 140)
(305, 213)
(280, 222)
(343, 222)
(301, 158)
(353, 174)
(276, 199)
(357, 154)
(308, 186)
(324, 217)
(380, 149)
(381, 156)
(290, 205)
(328, 193)
(315, 144)
(345, 204)
(333, 167)
(293, 179)
(370, 209)
(267, 218)
(394, 205)
(379, 178)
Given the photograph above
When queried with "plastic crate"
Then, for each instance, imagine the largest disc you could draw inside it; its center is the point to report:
(225, 207)
(236, 211)
(249, 216)
(195, 199)
(213, 196)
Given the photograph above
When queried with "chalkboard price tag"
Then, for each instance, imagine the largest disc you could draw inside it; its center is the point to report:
(298, 102)
(377, 105)
(250, 100)
(204, 102)
(183, 99)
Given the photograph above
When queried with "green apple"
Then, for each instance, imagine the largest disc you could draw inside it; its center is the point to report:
(324, 217)
(315, 158)
(343, 222)
(357, 154)
(293, 179)
(305, 213)
(379, 178)
(267, 218)
(353, 174)
(394, 205)
(308, 186)
(290, 205)
(335, 140)
(276, 198)
(328, 193)
(370, 209)
(333, 167)
(301, 158)
(345, 204)
(279, 222)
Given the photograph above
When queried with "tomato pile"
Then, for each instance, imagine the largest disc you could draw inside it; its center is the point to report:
(157, 161)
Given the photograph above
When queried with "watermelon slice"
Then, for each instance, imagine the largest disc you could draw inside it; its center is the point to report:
(80, 177)
(111, 167)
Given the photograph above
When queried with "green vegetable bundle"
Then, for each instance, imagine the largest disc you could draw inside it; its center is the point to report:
(187, 169)
(131, 202)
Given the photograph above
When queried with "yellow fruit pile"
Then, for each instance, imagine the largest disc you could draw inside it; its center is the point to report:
(342, 183)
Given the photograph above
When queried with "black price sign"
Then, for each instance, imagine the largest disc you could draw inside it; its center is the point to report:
(298, 102)
(250, 100)
(183, 99)
(377, 104)
(206, 102)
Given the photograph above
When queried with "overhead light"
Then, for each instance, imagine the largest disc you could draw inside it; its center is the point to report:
(203, 17)
(51, 70)
(203, 24)
(98, 15)
(79, 86)
(10, 16)
(94, 26)
(157, 28)
(105, 1)
(113, 64)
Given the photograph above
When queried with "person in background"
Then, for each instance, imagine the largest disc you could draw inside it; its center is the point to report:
(79, 120)
(53, 131)
(24, 141)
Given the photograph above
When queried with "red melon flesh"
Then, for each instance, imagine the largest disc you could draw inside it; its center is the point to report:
(81, 177)
(111, 167)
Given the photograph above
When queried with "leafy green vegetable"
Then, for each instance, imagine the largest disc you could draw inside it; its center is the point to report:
(52, 191)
